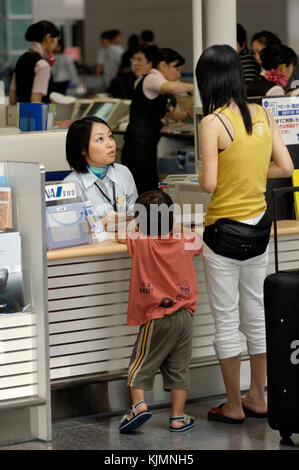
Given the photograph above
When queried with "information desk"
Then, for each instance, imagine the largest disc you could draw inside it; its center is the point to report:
(89, 339)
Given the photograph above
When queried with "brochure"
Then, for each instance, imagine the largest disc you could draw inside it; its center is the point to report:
(11, 278)
(33, 116)
(5, 208)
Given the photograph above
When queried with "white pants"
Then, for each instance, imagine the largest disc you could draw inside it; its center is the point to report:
(235, 290)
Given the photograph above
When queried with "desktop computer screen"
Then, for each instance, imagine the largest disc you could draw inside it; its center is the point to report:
(80, 108)
(109, 109)
(101, 110)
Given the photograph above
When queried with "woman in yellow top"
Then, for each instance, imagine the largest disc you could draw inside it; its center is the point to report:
(237, 142)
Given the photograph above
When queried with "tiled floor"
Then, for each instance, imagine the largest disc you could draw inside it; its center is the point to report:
(98, 433)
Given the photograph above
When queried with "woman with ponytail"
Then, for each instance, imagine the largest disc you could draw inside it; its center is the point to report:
(237, 140)
(32, 78)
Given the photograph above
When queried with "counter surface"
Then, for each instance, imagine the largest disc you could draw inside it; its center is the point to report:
(104, 248)
(109, 246)
(287, 227)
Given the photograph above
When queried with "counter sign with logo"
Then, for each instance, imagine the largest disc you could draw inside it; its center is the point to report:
(56, 192)
(285, 111)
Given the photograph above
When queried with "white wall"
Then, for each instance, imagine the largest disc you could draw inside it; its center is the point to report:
(258, 15)
(171, 20)
(57, 10)
(292, 24)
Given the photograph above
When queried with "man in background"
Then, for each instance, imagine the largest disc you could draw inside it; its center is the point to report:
(251, 68)
(109, 57)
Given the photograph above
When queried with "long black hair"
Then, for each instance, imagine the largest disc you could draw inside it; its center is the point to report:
(220, 80)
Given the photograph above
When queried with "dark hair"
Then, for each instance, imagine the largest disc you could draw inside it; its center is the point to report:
(241, 35)
(151, 52)
(105, 35)
(168, 55)
(77, 142)
(219, 76)
(156, 199)
(133, 42)
(113, 33)
(147, 35)
(273, 56)
(37, 31)
(266, 38)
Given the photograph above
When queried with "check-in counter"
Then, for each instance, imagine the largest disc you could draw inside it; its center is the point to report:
(89, 340)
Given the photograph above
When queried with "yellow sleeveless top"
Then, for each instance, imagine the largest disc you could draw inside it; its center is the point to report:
(242, 170)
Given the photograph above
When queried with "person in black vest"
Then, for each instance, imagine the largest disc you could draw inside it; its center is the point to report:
(153, 98)
(32, 79)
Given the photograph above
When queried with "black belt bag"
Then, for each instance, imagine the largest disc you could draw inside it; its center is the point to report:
(238, 240)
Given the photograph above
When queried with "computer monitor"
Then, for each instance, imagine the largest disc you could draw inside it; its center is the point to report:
(109, 109)
(64, 111)
(81, 105)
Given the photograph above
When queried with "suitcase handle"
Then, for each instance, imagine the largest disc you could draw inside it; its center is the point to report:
(277, 193)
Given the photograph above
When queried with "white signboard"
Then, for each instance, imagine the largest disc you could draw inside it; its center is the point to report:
(285, 111)
(54, 192)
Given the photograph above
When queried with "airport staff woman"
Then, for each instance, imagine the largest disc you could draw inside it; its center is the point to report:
(150, 103)
(90, 152)
(237, 142)
(32, 79)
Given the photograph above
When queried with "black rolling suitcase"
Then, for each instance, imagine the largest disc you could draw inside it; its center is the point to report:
(281, 300)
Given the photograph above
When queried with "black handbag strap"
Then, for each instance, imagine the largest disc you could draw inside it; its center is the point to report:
(277, 193)
(227, 129)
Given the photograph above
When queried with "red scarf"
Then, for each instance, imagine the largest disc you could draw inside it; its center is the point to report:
(273, 76)
(51, 59)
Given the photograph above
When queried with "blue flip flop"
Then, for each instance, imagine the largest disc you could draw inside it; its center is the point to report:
(130, 424)
(188, 423)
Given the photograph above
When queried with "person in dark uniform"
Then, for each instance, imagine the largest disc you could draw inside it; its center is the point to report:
(153, 98)
(32, 79)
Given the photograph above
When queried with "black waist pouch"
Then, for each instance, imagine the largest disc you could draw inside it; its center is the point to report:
(238, 240)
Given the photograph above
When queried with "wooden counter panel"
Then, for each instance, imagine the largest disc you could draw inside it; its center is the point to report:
(287, 227)
(92, 249)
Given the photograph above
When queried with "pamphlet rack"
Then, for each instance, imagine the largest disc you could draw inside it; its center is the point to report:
(25, 407)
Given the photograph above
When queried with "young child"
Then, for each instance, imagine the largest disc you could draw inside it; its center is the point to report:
(162, 300)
